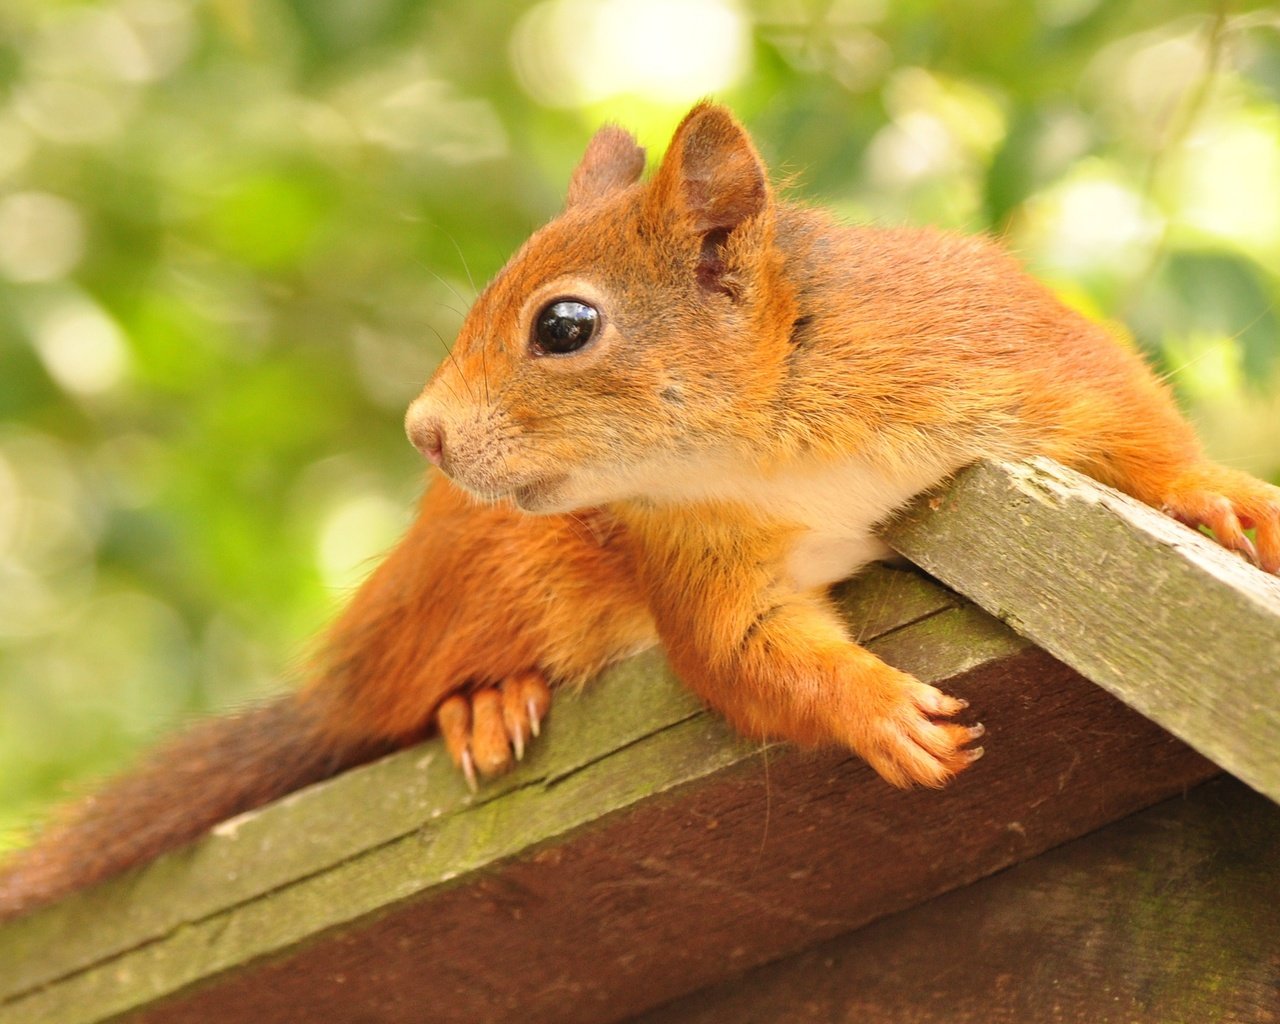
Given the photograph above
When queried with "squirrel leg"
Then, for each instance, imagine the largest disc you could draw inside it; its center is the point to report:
(487, 730)
(472, 594)
(778, 663)
(797, 677)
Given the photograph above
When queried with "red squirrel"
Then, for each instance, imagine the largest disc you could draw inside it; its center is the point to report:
(677, 415)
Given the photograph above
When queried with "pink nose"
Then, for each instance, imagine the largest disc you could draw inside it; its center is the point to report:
(428, 438)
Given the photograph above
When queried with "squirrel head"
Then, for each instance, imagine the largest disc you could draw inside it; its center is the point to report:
(638, 335)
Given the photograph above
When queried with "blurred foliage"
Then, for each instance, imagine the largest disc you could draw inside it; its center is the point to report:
(235, 234)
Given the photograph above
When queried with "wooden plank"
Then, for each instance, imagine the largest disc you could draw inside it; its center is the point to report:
(640, 853)
(1169, 916)
(1161, 616)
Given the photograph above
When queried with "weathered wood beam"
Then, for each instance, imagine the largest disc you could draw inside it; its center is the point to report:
(1172, 624)
(1169, 915)
(640, 852)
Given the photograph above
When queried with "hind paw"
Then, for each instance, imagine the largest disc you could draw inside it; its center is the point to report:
(1229, 503)
(488, 730)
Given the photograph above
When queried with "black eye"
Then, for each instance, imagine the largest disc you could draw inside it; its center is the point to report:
(564, 326)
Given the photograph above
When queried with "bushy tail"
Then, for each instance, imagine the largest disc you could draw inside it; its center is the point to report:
(215, 769)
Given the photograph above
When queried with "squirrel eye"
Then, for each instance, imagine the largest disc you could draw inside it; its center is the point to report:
(564, 326)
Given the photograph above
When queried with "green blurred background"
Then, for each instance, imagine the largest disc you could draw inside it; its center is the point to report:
(235, 234)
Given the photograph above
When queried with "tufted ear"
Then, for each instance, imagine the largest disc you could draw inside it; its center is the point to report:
(612, 161)
(711, 175)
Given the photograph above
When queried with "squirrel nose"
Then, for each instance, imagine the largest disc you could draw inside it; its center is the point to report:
(428, 437)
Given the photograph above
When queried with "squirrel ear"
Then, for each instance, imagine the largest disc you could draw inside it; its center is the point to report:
(612, 161)
(712, 173)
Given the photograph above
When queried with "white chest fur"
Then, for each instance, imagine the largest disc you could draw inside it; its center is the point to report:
(834, 505)
(837, 508)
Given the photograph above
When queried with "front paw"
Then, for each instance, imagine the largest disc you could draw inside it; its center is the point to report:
(487, 730)
(904, 742)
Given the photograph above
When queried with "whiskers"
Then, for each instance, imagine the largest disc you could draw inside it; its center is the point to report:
(466, 303)
(448, 354)
(1209, 351)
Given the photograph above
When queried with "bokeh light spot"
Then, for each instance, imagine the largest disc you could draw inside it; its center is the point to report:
(81, 346)
(41, 236)
(571, 52)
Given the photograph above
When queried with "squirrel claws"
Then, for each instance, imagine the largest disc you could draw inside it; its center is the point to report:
(488, 730)
(1221, 518)
(910, 748)
(1228, 503)
(468, 765)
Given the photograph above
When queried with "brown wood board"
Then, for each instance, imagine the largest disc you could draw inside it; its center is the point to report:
(1168, 917)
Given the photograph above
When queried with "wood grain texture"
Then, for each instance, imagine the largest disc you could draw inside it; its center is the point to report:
(640, 853)
(1161, 616)
(1168, 917)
